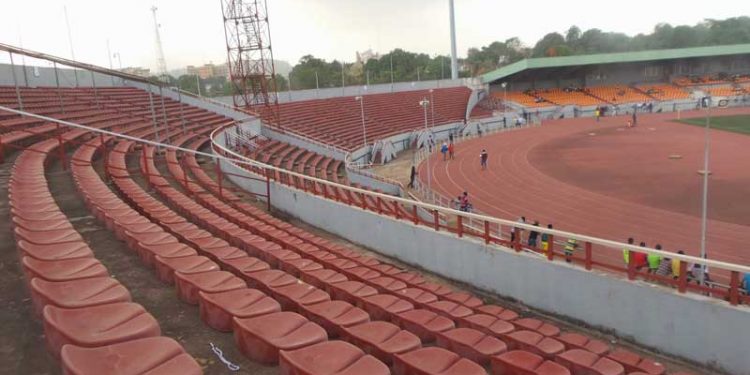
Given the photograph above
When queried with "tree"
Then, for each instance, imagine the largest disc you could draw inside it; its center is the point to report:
(548, 45)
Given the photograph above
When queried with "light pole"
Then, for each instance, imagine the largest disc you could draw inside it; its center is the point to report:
(505, 98)
(426, 103)
(361, 101)
(432, 107)
(704, 204)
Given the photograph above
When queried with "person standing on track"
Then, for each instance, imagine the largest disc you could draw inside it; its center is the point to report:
(444, 151)
(483, 159)
(412, 175)
(451, 150)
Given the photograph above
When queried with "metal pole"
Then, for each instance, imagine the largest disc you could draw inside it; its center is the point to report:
(704, 203)
(57, 83)
(182, 116)
(153, 113)
(70, 42)
(164, 114)
(289, 91)
(109, 56)
(454, 54)
(424, 104)
(15, 82)
(391, 71)
(342, 79)
(96, 93)
(317, 85)
(364, 129)
(198, 83)
(432, 108)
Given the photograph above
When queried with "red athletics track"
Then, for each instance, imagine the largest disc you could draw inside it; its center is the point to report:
(613, 184)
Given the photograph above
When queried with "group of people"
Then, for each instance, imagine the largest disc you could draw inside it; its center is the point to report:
(662, 266)
(448, 150)
(462, 203)
(535, 239)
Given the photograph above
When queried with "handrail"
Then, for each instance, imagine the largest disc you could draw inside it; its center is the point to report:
(430, 207)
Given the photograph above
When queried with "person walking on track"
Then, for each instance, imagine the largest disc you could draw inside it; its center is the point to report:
(483, 159)
(451, 150)
(444, 151)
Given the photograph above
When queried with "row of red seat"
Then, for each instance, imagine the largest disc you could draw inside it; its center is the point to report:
(88, 316)
(469, 338)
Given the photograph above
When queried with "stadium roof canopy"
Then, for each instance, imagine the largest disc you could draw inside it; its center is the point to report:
(613, 58)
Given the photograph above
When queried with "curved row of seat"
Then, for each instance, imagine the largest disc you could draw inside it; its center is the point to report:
(88, 316)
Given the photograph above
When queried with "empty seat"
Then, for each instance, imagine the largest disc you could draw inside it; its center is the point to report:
(218, 309)
(97, 325)
(488, 324)
(466, 299)
(384, 306)
(68, 250)
(382, 339)
(188, 285)
(297, 295)
(434, 361)
(262, 337)
(63, 270)
(520, 362)
(245, 265)
(578, 341)
(166, 267)
(424, 323)
(535, 342)
(498, 311)
(333, 316)
(419, 297)
(323, 278)
(330, 358)
(77, 293)
(450, 309)
(148, 253)
(580, 361)
(352, 291)
(537, 325)
(633, 362)
(472, 344)
(153, 355)
(266, 280)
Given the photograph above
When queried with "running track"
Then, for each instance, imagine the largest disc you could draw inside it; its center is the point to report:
(527, 176)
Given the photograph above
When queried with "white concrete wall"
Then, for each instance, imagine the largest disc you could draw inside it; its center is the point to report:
(702, 330)
(40, 76)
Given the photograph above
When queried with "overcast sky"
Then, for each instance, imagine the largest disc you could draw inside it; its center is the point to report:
(192, 31)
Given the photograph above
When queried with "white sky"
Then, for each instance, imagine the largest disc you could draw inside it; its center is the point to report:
(192, 31)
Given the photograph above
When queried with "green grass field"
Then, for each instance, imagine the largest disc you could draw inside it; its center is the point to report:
(737, 124)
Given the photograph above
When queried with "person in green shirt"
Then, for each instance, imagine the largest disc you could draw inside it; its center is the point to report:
(653, 260)
(626, 252)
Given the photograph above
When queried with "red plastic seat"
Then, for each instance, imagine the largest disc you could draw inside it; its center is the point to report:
(361, 273)
(580, 361)
(633, 362)
(49, 237)
(148, 253)
(97, 325)
(535, 342)
(352, 291)
(450, 309)
(262, 337)
(434, 361)
(382, 339)
(387, 269)
(266, 280)
(330, 358)
(63, 270)
(466, 299)
(218, 309)
(520, 362)
(384, 306)
(297, 295)
(537, 325)
(166, 267)
(410, 278)
(488, 324)
(471, 344)
(299, 266)
(68, 250)
(424, 323)
(578, 341)
(77, 293)
(436, 289)
(188, 285)
(278, 256)
(245, 265)
(386, 284)
(323, 278)
(417, 296)
(153, 355)
(333, 316)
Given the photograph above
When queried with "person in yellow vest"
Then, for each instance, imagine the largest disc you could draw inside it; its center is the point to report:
(676, 266)
(626, 252)
(545, 240)
(570, 247)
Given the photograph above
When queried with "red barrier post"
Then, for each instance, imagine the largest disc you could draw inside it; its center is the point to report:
(436, 217)
(397, 210)
(631, 266)
(551, 247)
(589, 261)
(486, 232)
(379, 204)
(364, 201)
(460, 225)
(414, 212)
(517, 239)
(734, 288)
(682, 279)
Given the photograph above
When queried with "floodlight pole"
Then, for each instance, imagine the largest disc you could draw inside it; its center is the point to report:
(426, 103)
(704, 203)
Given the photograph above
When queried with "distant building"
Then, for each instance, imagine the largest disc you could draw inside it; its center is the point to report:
(364, 56)
(209, 70)
(138, 71)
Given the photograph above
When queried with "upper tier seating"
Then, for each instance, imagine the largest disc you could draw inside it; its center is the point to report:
(664, 91)
(338, 121)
